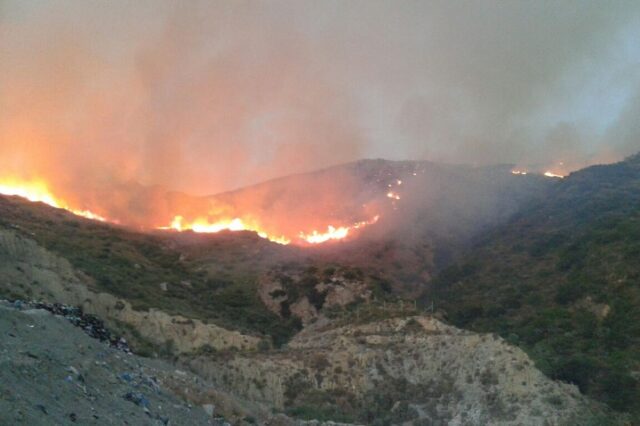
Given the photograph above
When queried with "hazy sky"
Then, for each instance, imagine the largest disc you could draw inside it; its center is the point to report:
(207, 96)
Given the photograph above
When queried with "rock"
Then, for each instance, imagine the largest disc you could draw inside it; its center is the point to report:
(137, 398)
(209, 409)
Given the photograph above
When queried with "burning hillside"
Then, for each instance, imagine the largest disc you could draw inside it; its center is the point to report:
(237, 224)
(334, 204)
(342, 214)
(37, 191)
(305, 210)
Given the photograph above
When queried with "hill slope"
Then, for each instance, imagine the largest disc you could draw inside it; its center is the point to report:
(215, 277)
(562, 280)
(53, 373)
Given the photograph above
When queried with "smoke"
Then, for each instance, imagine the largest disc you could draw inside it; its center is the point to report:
(99, 97)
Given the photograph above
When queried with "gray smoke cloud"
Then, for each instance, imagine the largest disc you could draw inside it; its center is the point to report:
(206, 96)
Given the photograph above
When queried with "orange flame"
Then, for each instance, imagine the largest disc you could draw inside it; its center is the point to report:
(548, 173)
(333, 233)
(38, 191)
(236, 224)
(553, 175)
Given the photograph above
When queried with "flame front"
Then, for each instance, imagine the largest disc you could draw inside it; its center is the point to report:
(236, 224)
(33, 191)
(38, 191)
(553, 175)
(333, 233)
(547, 173)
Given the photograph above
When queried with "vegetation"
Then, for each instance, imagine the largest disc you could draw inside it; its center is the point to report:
(562, 280)
(148, 270)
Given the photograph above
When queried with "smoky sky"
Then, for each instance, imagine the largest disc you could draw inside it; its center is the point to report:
(209, 96)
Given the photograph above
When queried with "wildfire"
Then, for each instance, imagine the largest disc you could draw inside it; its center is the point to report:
(37, 191)
(332, 233)
(235, 224)
(548, 173)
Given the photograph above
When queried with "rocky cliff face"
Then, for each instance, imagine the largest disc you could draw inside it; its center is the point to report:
(415, 370)
(304, 295)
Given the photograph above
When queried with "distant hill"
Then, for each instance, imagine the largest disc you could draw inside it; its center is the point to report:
(562, 280)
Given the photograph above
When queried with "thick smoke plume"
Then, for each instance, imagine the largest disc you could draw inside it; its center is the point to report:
(111, 101)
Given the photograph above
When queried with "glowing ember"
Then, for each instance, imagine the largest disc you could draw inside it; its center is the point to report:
(393, 195)
(552, 175)
(519, 172)
(37, 191)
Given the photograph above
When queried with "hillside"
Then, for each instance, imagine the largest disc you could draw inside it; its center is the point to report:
(411, 370)
(561, 280)
(405, 366)
(145, 269)
(215, 277)
(439, 209)
(53, 373)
